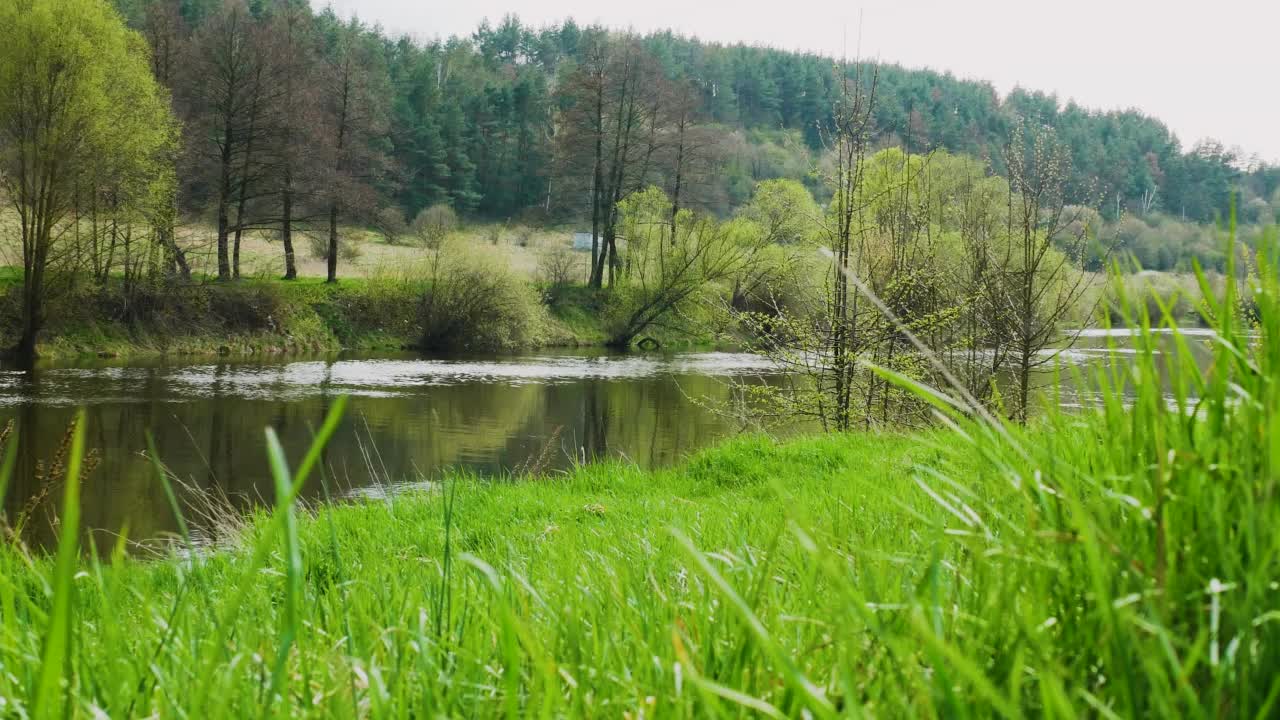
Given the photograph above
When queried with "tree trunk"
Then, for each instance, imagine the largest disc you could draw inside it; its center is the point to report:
(235, 254)
(597, 187)
(32, 303)
(224, 201)
(177, 258)
(332, 255)
(594, 278)
(611, 251)
(675, 194)
(25, 351)
(1024, 386)
(286, 230)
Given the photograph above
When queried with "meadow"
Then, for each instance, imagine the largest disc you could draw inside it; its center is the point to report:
(367, 253)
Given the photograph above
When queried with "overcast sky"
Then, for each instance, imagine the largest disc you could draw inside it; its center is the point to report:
(1206, 68)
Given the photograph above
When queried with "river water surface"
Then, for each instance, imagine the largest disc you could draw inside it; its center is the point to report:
(410, 418)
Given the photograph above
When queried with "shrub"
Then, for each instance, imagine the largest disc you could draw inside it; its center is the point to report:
(475, 302)
(432, 225)
(318, 247)
(666, 279)
(560, 266)
(391, 225)
(349, 249)
(383, 304)
(250, 308)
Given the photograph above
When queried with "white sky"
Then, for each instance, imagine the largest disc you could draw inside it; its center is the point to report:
(1207, 69)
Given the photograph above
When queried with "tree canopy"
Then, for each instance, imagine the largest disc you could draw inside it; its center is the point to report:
(473, 121)
(82, 119)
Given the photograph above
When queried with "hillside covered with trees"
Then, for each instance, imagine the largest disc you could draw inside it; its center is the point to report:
(480, 122)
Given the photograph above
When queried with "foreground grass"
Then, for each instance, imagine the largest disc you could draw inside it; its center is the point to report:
(465, 600)
(837, 575)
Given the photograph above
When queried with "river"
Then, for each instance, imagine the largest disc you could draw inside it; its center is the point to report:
(410, 418)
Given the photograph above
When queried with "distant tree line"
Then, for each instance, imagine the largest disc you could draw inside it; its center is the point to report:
(477, 122)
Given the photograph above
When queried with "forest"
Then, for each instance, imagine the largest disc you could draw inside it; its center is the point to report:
(484, 123)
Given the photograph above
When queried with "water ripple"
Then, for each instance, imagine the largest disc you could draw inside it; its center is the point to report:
(374, 378)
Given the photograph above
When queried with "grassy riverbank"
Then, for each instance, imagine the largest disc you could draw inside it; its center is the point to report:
(382, 312)
(269, 317)
(514, 287)
(378, 304)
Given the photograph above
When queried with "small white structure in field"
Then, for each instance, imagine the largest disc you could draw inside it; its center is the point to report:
(582, 241)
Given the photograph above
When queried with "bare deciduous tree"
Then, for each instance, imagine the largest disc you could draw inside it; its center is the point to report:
(295, 120)
(615, 122)
(694, 151)
(1041, 284)
(355, 107)
(851, 131)
(227, 94)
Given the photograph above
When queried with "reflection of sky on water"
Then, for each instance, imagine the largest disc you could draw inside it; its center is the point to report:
(374, 378)
(1131, 332)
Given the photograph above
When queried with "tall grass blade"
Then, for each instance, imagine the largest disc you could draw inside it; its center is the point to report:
(6, 468)
(280, 522)
(163, 477)
(285, 493)
(817, 700)
(55, 659)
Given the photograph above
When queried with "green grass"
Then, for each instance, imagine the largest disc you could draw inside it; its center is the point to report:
(1121, 561)
(257, 316)
(581, 568)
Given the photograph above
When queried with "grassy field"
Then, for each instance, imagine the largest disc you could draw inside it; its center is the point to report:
(441, 596)
(1121, 561)
(262, 255)
(374, 306)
